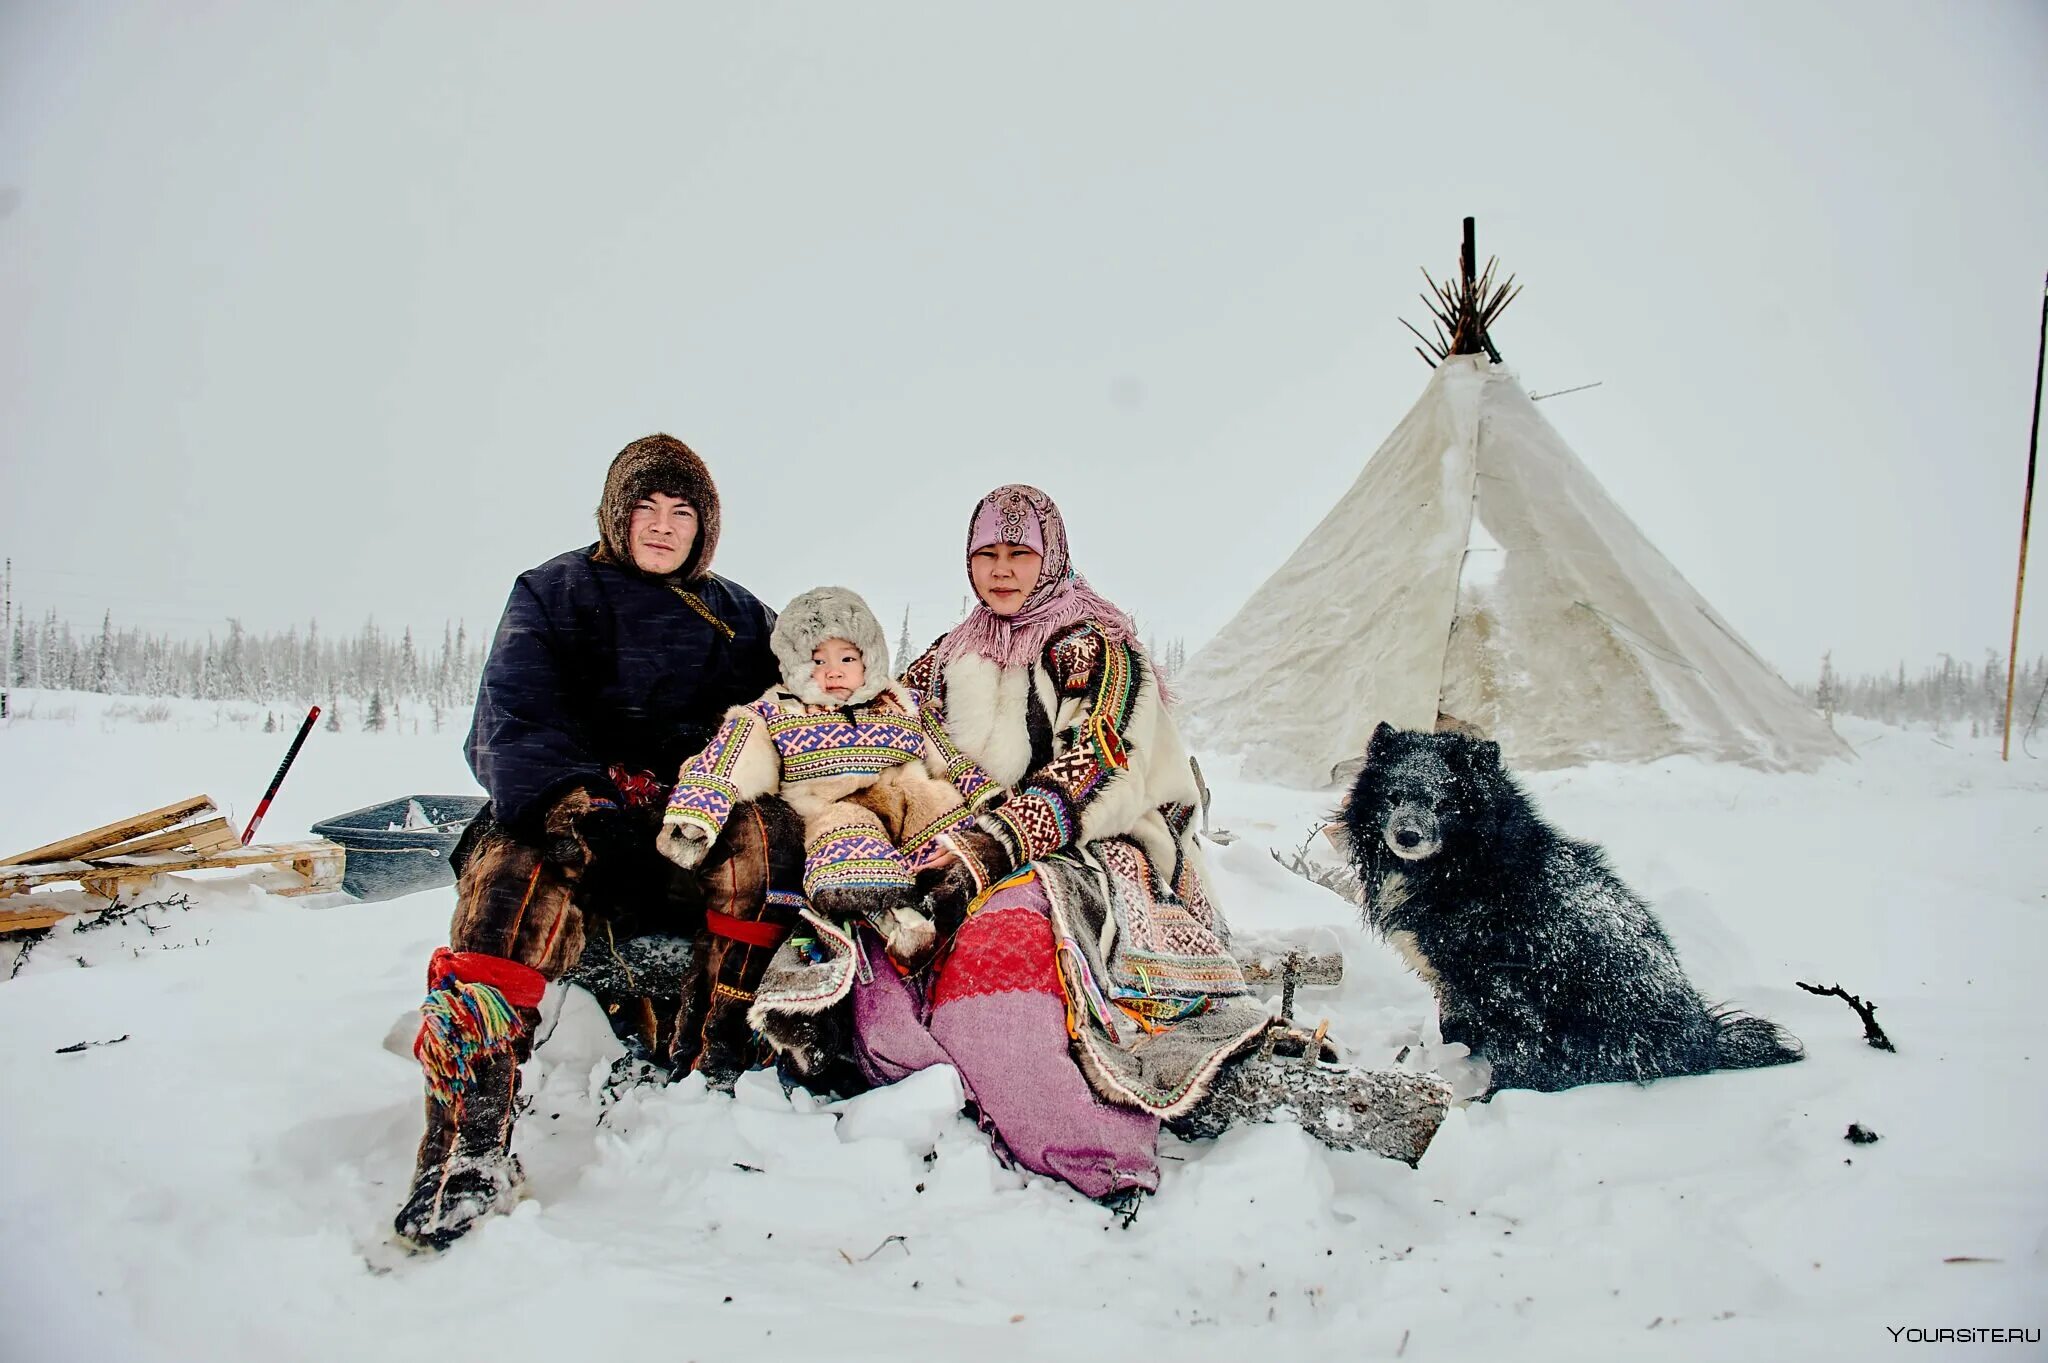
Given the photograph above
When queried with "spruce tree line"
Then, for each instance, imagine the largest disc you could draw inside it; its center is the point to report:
(305, 668)
(1949, 694)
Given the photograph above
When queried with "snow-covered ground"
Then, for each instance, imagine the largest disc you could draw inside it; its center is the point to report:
(220, 1184)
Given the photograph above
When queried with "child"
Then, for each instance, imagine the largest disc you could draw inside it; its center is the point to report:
(877, 782)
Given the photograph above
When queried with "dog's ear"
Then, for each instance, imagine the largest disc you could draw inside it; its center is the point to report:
(1381, 736)
(1486, 756)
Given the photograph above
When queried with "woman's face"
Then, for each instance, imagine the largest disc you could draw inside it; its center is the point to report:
(1003, 575)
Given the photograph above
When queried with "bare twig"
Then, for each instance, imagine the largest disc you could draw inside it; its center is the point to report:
(1440, 352)
(887, 1241)
(29, 940)
(117, 912)
(1872, 1033)
(75, 1047)
(1339, 880)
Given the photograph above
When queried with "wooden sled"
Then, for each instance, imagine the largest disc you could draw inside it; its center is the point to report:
(178, 837)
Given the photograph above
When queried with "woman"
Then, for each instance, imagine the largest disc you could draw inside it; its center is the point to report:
(1089, 993)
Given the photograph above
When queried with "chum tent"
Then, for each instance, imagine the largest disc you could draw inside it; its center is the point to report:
(1477, 573)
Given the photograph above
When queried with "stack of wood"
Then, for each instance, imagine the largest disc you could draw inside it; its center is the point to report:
(186, 836)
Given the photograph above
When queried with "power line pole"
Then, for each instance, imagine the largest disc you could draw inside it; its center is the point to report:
(2019, 590)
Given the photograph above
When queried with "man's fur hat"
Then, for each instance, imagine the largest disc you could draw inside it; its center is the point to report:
(658, 463)
(829, 613)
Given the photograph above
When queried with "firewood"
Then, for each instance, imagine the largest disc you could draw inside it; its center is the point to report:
(71, 848)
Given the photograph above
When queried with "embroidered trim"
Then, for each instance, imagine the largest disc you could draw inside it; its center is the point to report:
(696, 603)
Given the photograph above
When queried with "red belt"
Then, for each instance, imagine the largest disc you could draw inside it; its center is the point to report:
(752, 931)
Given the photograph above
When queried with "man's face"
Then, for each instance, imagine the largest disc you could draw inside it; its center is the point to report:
(837, 668)
(661, 533)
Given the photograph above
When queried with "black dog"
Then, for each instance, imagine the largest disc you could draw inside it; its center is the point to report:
(1543, 962)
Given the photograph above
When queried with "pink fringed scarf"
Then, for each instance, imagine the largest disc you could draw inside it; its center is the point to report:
(1016, 514)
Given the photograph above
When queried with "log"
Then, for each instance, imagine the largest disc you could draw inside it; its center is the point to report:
(1392, 1113)
(67, 849)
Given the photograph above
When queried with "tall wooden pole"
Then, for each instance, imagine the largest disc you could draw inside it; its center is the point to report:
(2019, 591)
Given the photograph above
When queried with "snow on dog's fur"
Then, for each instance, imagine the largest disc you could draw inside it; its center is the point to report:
(1544, 963)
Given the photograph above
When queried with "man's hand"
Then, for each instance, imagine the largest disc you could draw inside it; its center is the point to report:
(583, 829)
(683, 842)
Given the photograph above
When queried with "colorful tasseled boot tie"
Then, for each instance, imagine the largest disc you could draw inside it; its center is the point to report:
(462, 1020)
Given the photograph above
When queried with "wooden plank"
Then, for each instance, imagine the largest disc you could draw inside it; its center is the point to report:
(65, 849)
(24, 920)
(257, 854)
(99, 876)
(322, 874)
(221, 839)
(197, 836)
(319, 862)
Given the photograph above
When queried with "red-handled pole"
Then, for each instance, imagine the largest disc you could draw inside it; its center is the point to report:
(278, 780)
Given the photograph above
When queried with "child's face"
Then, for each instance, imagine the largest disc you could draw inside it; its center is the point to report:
(837, 668)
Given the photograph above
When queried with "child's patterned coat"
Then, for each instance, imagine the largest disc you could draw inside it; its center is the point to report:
(878, 784)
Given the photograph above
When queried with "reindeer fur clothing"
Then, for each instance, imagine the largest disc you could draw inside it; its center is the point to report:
(878, 785)
(1101, 803)
(1102, 799)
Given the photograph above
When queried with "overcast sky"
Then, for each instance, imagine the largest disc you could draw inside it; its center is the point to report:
(340, 310)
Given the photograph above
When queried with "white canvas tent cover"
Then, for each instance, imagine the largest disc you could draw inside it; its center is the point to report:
(1477, 570)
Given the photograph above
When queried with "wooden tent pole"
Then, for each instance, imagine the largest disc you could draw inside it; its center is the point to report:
(2012, 655)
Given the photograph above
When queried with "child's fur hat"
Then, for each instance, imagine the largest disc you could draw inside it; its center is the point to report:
(658, 463)
(829, 613)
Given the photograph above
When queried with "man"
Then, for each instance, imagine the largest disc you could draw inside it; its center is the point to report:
(612, 665)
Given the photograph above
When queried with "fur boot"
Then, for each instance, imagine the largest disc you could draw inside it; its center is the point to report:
(753, 889)
(466, 1169)
(476, 1030)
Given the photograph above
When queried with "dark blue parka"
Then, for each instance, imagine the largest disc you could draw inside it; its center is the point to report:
(595, 664)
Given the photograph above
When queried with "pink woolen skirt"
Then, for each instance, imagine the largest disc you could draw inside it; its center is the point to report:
(994, 1010)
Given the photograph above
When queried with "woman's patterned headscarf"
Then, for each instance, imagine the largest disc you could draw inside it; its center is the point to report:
(1017, 514)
